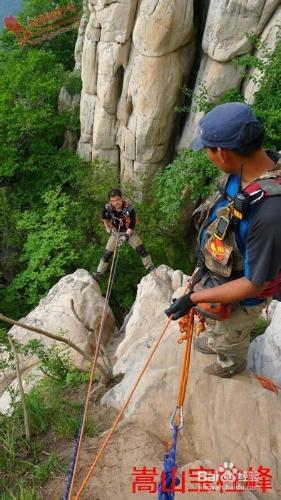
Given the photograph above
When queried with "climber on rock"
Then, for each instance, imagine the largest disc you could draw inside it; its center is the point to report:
(239, 241)
(119, 219)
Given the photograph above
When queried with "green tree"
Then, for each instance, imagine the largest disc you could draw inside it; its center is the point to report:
(47, 250)
(30, 127)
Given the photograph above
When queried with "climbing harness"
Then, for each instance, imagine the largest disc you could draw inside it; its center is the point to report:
(125, 219)
(221, 233)
(216, 311)
(77, 447)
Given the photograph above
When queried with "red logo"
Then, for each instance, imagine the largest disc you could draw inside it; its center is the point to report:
(216, 248)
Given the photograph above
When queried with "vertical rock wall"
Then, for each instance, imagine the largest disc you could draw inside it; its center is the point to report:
(70, 102)
(269, 39)
(225, 37)
(135, 56)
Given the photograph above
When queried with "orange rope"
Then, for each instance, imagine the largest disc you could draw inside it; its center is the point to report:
(123, 409)
(119, 416)
(268, 384)
(188, 329)
(103, 319)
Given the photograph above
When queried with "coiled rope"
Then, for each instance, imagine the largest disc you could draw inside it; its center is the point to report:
(166, 487)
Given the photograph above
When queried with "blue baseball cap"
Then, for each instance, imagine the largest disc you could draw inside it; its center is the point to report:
(229, 126)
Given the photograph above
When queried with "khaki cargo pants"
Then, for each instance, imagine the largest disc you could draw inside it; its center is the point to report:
(134, 241)
(231, 338)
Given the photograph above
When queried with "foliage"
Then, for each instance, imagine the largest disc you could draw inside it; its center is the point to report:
(267, 74)
(191, 170)
(259, 328)
(31, 132)
(267, 98)
(29, 123)
(40, 183)
(6, 355)
(23, 494)
(54, 360)
(73, 83)
(52, 408)
(47, 251)
(75, 377)
(195, 101)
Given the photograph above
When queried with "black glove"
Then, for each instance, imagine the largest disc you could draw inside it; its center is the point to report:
(180, 307)
(123, 239)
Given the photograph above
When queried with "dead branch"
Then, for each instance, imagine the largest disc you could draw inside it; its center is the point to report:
(22, 395)
(47, 334)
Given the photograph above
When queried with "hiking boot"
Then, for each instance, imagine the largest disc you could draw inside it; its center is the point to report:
(97, 277)
(216, 369)
(201, 345)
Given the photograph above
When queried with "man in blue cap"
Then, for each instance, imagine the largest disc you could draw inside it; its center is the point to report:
(239, 241)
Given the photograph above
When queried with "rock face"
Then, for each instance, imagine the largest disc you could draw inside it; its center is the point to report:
(225, 37)
(268, 40)
(55, 314)
(234, 420)
(71, 102)
(264, 354)
(135, 56)
(81, 35)
(214, 78)
(228, 23)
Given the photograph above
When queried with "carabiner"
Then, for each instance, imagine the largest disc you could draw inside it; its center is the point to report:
(172, 418)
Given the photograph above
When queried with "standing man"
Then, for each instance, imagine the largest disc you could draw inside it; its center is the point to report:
(119, 215)
(239, 242)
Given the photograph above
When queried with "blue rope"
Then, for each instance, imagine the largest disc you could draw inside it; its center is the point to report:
(169, 464)
(72, 462)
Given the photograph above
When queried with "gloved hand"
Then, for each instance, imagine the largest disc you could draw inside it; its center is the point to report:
(123, 239)
(180, 307)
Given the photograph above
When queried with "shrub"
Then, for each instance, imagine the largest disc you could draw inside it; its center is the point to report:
(73, 83)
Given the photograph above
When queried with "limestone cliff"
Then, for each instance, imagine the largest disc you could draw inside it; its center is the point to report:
(136, 54)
